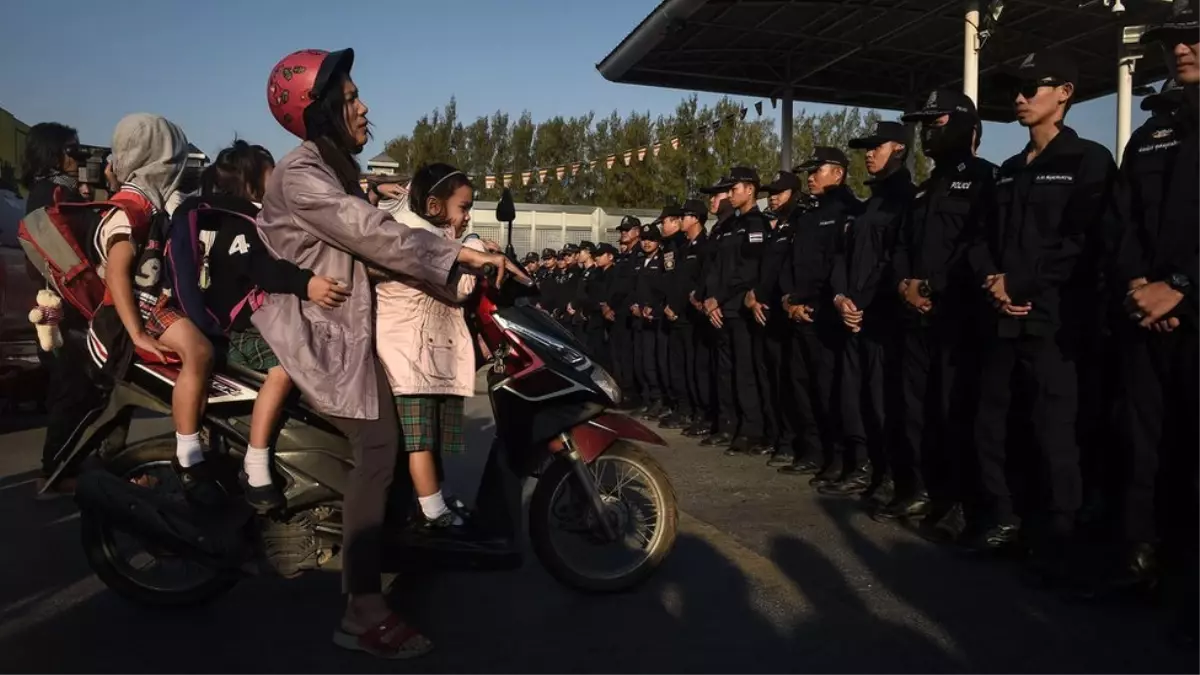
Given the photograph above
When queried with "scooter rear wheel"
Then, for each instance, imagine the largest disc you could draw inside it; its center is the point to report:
(558, 505)
(101, 541)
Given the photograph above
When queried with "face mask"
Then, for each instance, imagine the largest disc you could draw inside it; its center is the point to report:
(953, 138)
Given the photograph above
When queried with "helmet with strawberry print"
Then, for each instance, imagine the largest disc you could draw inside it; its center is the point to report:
(299, 79)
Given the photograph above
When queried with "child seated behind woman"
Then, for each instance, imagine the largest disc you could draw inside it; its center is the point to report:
(237, 266)
(423, 341)
(148, 162)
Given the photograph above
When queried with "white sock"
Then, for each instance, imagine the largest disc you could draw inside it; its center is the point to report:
(257, 466)
(188, 450)
(434, 506)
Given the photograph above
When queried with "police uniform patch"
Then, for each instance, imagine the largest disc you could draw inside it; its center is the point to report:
(1054, 179)
(756, 237)
(1162, 133)
(669, 260)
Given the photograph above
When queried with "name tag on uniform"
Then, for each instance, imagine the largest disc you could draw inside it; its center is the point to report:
(1155, 147)
(1004, 180)
(825, 223)
(1054, 179)
(692, 256)
(756, 237)
(961, 185)
(669, 260)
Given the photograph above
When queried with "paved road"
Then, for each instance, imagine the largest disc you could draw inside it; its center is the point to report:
(766, 577)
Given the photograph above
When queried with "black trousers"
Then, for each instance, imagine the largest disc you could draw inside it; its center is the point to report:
(704, 380)
(1161, 378)
(939, 373)
(727, 419)
(681, 367)
(863, 402)
(772, 347)
(814, 351)
(70, 396)
(595, 339)
(745, 376)
(647, 360)
(621, 351)
(1044, 374)
(662, 361)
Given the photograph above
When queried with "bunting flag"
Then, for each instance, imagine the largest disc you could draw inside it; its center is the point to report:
(490, 181)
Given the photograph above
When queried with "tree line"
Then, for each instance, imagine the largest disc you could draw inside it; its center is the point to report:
(631, 161)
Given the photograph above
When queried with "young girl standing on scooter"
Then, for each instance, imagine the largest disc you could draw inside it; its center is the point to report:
(424, 344)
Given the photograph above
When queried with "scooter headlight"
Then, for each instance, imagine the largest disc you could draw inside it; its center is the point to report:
(570, 356)
(606, 383)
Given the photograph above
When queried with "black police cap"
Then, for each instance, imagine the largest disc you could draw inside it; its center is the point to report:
(944, 102)
(784, 181)
(629, 222)
(885, 132)
(821, 155)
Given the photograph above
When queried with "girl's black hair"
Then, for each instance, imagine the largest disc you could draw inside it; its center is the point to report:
(238, 171)
(44, 149)
(325, 125)
(434, 180)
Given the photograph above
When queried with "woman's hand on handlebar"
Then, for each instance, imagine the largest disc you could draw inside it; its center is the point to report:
(481, 261)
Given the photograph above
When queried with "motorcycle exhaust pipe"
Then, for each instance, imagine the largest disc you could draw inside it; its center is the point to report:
(174, 525)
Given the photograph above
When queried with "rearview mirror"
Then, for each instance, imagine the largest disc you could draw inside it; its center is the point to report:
(506, 211)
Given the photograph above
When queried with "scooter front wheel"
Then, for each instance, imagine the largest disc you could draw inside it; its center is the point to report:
(571, 541)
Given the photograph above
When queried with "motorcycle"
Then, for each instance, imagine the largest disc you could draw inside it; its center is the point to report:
(602, 516)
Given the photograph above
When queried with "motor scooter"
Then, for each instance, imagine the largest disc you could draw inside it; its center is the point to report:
(602, 516)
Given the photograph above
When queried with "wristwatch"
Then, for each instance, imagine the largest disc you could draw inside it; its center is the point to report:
(924, 290)
(1180, 282)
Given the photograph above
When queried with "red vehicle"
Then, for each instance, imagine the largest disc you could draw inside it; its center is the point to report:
(602, 516)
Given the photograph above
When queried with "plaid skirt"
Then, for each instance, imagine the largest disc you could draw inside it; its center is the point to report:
(431, 423)
(248, 349)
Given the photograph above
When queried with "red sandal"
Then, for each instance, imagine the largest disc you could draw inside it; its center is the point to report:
(389, 639)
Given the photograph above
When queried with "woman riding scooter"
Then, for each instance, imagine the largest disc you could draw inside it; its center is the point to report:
(316, 215)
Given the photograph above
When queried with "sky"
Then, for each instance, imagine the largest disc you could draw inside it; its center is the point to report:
(204, 65)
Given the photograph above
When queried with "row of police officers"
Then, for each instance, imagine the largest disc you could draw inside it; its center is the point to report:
(1016, 343)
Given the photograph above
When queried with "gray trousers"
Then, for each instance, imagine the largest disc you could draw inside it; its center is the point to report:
(375, 444)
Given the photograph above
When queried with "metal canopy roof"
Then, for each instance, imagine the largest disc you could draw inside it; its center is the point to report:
(868, 53)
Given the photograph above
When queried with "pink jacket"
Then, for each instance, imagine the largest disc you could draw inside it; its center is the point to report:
(421, 335)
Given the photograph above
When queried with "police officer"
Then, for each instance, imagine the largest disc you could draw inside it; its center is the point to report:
(868, 311)
(689, 372)
(774, 340)
(817, 331)
(664, 289)
(621, 300)
(649, 300)
(578, 269)
(718, 429)
(937, 294)
(594, 303)
(531, 264)
(1157, 266)
(738, 256)
(1048, 200)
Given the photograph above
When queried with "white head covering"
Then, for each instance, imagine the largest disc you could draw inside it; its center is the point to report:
(149, 153)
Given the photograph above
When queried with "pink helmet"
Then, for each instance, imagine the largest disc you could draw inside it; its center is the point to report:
(298, 79)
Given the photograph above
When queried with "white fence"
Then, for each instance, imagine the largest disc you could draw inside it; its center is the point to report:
(540, 226)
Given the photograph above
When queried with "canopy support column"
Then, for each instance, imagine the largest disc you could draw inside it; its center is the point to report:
(971, 51)
(785, 131)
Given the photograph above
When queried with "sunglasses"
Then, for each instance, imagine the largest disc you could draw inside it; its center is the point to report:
(1028, 90)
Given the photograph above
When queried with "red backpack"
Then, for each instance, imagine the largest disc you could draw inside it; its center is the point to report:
(57, 241)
